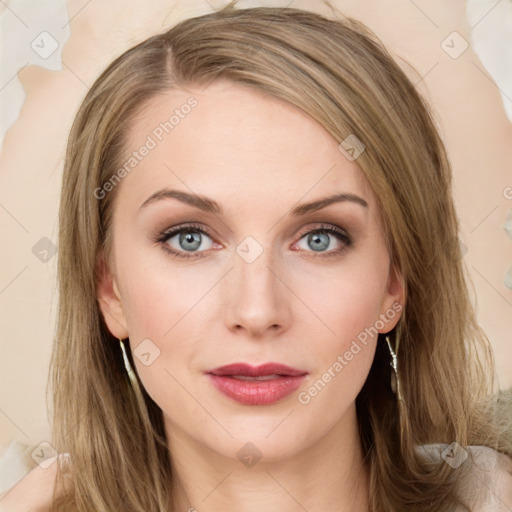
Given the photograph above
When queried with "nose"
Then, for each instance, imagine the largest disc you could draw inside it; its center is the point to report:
(257, 299)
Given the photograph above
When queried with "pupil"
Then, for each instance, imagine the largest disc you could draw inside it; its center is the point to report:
(321, 241)
(194, 239)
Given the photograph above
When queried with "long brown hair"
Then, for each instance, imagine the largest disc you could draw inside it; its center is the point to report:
(338, 72)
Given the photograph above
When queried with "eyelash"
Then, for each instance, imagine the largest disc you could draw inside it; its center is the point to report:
(164, 236)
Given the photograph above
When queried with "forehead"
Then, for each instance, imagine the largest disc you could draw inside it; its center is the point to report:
(227, 138)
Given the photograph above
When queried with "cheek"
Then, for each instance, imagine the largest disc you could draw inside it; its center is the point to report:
(344, 353)
(158, 295)
(166, 305)
(160, 337)
(346, 298)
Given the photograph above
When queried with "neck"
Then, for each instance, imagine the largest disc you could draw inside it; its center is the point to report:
(328, 475)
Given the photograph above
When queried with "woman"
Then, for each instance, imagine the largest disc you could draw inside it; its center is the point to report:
(262, 302)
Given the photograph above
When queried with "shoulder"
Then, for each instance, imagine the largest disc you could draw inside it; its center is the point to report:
(486, 474)
(34, 491)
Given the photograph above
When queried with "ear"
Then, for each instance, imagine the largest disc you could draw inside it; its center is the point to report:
(394, 299)
(109, 299)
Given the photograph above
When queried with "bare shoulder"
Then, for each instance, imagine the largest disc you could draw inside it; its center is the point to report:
(33, 492)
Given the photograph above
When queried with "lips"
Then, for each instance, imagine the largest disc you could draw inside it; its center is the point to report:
(245, 370)
(256, 385)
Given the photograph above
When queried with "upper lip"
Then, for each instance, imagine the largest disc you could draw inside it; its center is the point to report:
(256, 371)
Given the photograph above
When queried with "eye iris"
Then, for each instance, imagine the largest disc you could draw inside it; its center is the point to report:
(321, 241)
(193, 238)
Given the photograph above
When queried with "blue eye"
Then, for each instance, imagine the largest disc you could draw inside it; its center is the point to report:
(319, 240)
(189, 239)
(192, 240)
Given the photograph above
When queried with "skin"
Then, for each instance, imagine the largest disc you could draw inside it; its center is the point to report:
(258, 158)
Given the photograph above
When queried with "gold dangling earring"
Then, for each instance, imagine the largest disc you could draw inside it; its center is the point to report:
(139, 397)
(395, 381)
(127, 365)
(133, 378)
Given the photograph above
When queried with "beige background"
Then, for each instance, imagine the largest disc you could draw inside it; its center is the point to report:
(466, 100)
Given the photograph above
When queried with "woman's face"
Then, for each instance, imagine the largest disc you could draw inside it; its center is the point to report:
(252, 278)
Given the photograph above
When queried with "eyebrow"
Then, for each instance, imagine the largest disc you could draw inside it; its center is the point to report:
(210, 206)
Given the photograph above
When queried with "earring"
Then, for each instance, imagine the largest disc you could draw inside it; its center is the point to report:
(395, 381)
(128, 366)
(139, 398)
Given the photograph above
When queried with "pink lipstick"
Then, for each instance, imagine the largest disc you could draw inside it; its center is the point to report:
(256, 385)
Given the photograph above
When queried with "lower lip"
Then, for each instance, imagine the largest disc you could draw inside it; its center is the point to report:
(256, 392)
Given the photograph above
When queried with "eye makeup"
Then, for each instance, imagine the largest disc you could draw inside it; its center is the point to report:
(331, 231)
